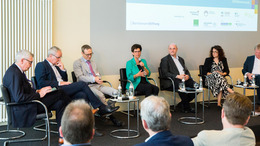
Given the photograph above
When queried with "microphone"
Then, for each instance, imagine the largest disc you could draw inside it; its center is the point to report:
(140, 65)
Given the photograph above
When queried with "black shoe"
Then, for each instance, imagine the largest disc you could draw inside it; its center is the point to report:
(190, 110)
(115, 121)
(107, 110)
(111, 103)
(98, 133)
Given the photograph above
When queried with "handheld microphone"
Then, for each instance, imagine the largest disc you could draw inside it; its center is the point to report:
(140, 65)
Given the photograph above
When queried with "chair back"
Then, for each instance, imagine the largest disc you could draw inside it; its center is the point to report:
(34, 82)
(74, 78)
(123, 79)
(7, 99)
(201, 68)
(160, 78)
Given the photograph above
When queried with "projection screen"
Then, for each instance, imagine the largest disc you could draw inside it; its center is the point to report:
(111, 38)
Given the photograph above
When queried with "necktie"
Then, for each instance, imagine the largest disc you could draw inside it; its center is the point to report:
(29, 81)
(91, 69)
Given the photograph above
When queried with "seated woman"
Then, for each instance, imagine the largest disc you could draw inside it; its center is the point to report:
(137, 72)
(216, 67)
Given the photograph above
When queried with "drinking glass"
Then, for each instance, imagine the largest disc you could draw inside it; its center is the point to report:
(115, 94)
(196, 85)
(181, 86)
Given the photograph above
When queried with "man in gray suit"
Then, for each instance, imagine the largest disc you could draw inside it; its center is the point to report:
(173, 66)
(86, 70)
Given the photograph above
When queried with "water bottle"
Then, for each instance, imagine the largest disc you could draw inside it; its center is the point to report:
(183, 83)
(253, 80)
(119, 91)
(131, 91)
(244, 84)
(201, 85)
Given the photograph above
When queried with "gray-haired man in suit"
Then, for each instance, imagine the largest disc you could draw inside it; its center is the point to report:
(86, 70)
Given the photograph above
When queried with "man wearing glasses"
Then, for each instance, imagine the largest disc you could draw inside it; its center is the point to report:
(51, 72)
(86, 70)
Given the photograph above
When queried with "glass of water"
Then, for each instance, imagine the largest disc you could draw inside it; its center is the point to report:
(181, 86)
(115, 94)
(196, 85)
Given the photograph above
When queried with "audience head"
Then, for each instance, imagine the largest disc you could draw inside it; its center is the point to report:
(237, 109)
(172, 48)
(86, 52)
(24, 59)
(217, 51)
(136, 50)
(77, 123)
(257, 51)
(155, 114)
(54, 55)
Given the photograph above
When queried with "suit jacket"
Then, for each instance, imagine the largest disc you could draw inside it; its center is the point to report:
(169, 69)
(165, 138)
(82, 70)
(208, 63)
(20, 91)
(45, 75)
(132, 69)
(249, 64)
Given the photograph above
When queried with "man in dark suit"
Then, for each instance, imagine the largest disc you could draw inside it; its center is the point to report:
(156, 120)
(51, 72)
(173, 66)
(252, 67)
(21, 91)
(77, 124)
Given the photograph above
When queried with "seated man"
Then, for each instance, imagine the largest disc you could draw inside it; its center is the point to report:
(77, 124)
(156, 120)
(234, 116)
(251, 67)
(21, 91)
(173, 66)
(51, 72)
(86, 70)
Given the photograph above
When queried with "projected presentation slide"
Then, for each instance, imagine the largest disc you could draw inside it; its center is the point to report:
(195, 15)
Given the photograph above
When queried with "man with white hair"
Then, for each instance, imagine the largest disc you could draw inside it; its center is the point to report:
(21, 91)
(156, 120)
(173, 66)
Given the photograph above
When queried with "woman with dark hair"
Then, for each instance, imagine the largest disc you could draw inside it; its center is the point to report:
(216, 68)
(137, 72)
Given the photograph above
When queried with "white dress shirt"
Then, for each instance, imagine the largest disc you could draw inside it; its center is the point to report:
(178, 64)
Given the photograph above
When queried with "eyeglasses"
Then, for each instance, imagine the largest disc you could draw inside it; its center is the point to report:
(57, 57)
(137, 51)
(88, 54)
(214, 51)
(28, 61)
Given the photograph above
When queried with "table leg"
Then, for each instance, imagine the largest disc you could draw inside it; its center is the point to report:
(128, 116)
(196, 112)
(254, 103)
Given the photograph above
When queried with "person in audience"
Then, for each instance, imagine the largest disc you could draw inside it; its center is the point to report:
(21, 91)
(216, 68)
(86, 70)
(77, 124)
(173, 66)
(137, 72)
(156, 120)
(234, 116)
(252, 67)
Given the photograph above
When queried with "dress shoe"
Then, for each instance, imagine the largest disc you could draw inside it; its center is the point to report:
(190, 110)
(115, 121)
(107, 110)
(111, 103)
(97, 133)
